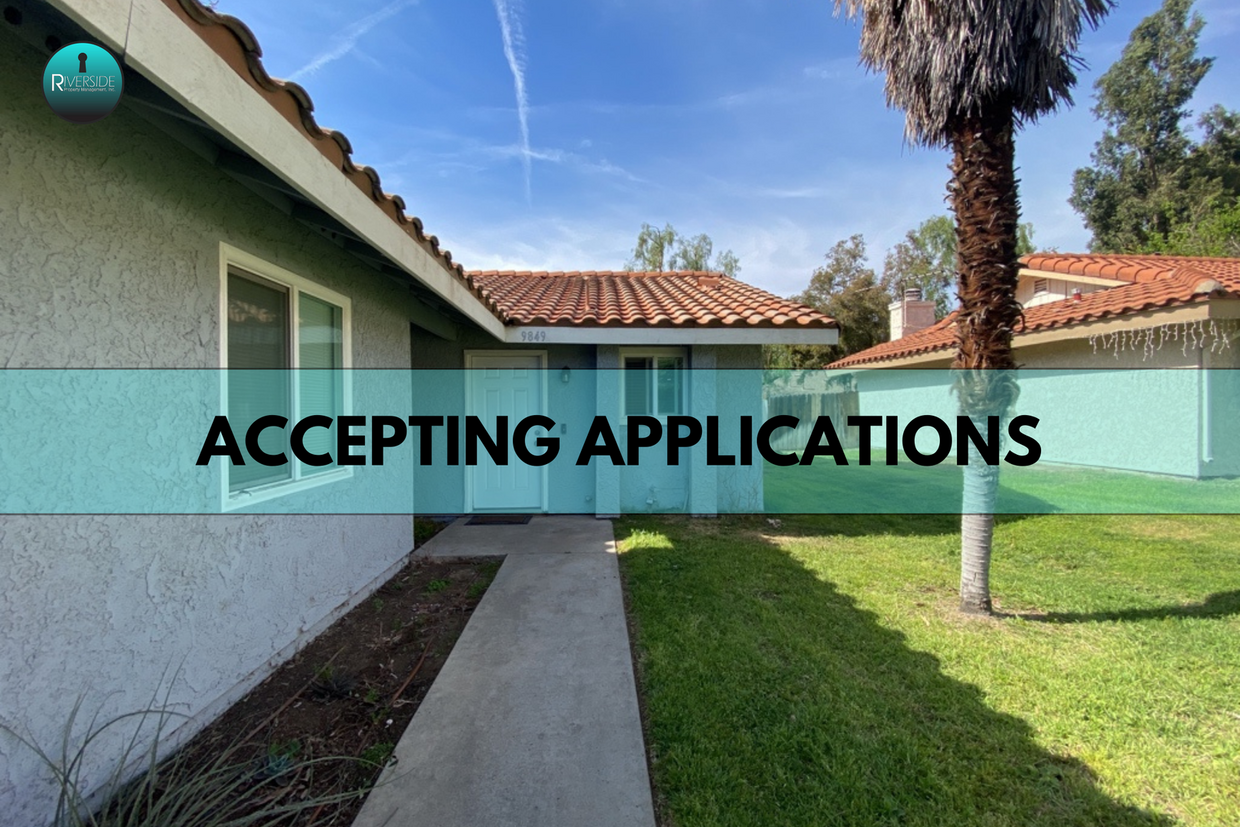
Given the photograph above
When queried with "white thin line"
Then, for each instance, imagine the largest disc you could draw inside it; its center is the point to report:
(348, 40)
(514, 52)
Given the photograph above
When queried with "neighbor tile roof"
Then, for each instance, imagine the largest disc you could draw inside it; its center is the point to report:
(1155, 281)
(1138, 269)
(665, 299)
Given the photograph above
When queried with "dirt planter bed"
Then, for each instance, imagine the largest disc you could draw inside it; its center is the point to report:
(353, 690)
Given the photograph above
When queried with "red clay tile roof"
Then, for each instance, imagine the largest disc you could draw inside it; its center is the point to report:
(1128, 268)
(939, 336)
(667, 299)
(1156, 281)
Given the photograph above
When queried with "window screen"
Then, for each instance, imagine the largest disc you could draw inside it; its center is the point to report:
(287, 350)
(668, 376)
(258, 377)
(636, 386)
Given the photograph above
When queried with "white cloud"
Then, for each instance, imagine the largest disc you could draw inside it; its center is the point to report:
(544, 243)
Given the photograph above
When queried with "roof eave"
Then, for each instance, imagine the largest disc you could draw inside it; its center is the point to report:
(154, 38)
(1222, 307)
(649, 335)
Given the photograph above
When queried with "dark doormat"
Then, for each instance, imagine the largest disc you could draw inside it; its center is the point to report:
(499, 519)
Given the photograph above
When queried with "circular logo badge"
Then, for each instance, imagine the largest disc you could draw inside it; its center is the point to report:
(82, 82)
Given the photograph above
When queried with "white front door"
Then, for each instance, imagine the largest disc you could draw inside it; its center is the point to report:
(505, 385)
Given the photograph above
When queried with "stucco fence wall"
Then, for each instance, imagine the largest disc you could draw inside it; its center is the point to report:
(1128, 413)
(109, 258)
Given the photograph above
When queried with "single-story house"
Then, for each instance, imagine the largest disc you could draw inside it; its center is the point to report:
(604, 329)
(1090, 311)
(1116, 321)
(211, 222)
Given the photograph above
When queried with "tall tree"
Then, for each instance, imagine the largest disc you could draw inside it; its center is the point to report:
(846, 289)
(1215, 233)
(666, 249)
(967, 75)
(925, 259)
(1141, 184)
(1212, 226)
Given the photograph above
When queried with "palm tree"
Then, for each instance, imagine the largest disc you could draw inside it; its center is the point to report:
(968, 74)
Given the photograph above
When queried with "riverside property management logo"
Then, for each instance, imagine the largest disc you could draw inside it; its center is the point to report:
(82, 82)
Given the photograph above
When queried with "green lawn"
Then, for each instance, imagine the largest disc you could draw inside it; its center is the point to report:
(817, 673)
(1039, 489)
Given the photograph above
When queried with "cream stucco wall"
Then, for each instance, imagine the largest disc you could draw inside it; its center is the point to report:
(109, 257)
(1056, 289)
(1127, 351)
(1154, 411)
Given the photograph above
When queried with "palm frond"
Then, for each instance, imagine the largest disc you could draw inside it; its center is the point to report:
(948, 60)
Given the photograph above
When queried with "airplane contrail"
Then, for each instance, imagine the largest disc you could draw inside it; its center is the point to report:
(349, 38)
(514, 52)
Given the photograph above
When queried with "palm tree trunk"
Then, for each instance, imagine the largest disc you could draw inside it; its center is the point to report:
(983, 194)
(977, 527)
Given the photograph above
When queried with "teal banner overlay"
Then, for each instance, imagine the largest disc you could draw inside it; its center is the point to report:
(656, 439)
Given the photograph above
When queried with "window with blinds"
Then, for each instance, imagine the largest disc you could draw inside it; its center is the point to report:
(653, 383)
(285, 356)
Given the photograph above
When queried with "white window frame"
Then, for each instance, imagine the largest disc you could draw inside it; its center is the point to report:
(1041, 286)
(654, 353)
(232, 258)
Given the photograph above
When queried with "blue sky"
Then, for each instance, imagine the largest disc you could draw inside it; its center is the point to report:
(540, 135)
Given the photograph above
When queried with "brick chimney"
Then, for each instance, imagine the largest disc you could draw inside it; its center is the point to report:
(910, 314)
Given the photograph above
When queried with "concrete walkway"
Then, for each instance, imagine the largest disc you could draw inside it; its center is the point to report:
(533, 720)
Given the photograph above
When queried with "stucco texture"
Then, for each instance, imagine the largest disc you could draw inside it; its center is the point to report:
(109, 258)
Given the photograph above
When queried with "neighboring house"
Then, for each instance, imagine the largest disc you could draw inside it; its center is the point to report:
(1092, 311)
(1107, 313)
(629, 337)
(211, 222)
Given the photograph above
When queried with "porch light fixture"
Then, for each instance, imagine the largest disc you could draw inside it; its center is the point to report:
(564, 374)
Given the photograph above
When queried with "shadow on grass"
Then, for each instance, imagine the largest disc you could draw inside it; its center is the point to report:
(1218, 605)
(772, 698)
(868, 525)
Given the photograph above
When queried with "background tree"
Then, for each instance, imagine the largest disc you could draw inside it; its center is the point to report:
(1216, 233)
(666, 249)
(846, 289)
(926, 259)
(967, 75)
(654, 248)
(1148, 177)
(1212, 227)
